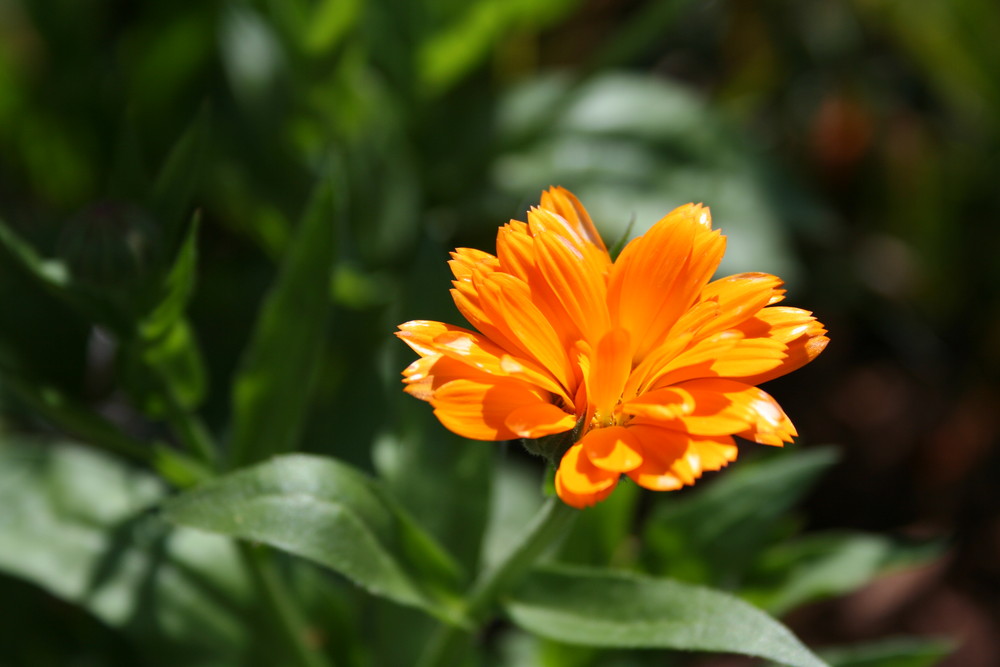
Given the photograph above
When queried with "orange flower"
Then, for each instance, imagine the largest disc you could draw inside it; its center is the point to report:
(645, 365)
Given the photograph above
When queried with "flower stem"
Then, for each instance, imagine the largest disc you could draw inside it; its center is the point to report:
(286, 614)
(547, 528)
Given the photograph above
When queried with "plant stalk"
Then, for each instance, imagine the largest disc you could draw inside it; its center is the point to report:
(550, 525)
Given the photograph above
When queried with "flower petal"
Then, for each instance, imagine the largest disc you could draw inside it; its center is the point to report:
(615, 448)
(674, 459)
(662, 449)
(724, 354)
(427, 337)
(659, 275)
(579, 482)
(803, 336)
(740, 297)
(539, 419)
(720, 407)
(576, 279)
(563, 203)
(508, 304)
(607, 372)
(479, 410)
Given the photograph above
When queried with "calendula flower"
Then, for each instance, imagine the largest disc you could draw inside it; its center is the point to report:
(645, 365)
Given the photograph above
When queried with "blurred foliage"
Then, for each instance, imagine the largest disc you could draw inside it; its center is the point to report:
(213, 214)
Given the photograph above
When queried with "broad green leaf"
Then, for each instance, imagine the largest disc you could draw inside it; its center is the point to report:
(900, 652)
(332, 514)
(593, 607)
(79, 525)
(713, 534)
(272, 388)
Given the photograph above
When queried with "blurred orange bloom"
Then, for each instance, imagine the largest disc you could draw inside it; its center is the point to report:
(646, 365)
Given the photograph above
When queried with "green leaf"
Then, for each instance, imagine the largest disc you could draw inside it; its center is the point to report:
(61, 410)
(174, 291)
(55, 276)
(162, 363)
(166, 373)
(826, 564)
(618, 610)
(329, 21)
(278, 370)
(78, 524)
(180, 176)
(900, 652)
(334, 515)
(713, 535)
(451, 495)
(468, 35)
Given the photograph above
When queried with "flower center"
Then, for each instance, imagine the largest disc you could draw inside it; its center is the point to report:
(606, 418)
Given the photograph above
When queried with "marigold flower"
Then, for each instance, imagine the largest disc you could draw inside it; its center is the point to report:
(647, 366)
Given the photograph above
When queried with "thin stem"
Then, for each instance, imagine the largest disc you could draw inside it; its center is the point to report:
(546, 529)
(281, 605)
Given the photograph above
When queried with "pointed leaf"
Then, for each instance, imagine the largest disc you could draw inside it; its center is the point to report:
(179, 177)
(827, 564)
(713, 534)
(277, 372)
(174, 291)
(615, 609)
(899, 652)
(332, 514)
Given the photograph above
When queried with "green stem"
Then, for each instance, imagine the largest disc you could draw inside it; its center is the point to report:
(548, 527)
(286, 614)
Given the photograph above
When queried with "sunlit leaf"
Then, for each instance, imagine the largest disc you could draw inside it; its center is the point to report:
(466, 37)
(332, 514)
(329, 21)
(79, 525)
(613, 609)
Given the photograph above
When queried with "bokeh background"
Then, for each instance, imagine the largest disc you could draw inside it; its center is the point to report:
(850, 146)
